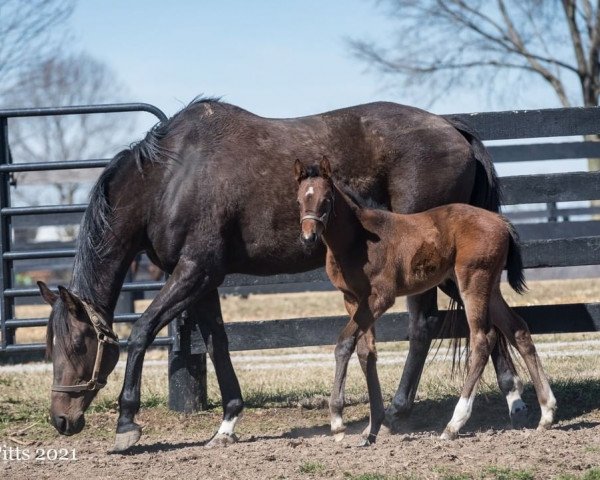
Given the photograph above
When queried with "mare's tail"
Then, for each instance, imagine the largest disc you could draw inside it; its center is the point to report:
(514, 262)
(486, 189)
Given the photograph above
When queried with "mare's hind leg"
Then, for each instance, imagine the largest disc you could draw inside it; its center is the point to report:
(188, 282)
(367, 355)
(215, 337)
(516, 331)
(424, 324)
(509, 382)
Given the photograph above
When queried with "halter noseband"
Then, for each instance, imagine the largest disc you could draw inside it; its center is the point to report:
(104, 334)
(322, 219)
(311, 216)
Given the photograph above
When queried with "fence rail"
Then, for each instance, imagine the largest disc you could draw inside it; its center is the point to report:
(550, 244)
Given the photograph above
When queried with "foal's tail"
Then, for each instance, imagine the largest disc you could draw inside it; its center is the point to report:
(514, 262)
(486, 189)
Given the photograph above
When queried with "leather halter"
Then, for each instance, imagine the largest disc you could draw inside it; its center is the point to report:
(322, 219)
(104, 334)
(311, 216)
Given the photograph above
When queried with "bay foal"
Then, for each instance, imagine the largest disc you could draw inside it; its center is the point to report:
(374, 256)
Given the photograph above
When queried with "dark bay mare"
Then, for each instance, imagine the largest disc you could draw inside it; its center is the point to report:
(374, 256)
(205, 194)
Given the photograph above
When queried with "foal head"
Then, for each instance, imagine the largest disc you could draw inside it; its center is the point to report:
(84, 350)
(315, 198)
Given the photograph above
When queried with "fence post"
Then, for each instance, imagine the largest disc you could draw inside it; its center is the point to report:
(187, 364)
(6, 303)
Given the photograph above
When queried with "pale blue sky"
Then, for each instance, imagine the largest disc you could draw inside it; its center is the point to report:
(275, 58)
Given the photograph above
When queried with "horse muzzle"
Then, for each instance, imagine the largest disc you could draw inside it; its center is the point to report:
(66, 426)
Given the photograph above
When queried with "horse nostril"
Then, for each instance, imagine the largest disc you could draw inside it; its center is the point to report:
(60, 422)
(310, 237)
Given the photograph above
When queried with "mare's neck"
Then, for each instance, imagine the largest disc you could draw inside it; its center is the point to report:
(343, 227)
(99, 276)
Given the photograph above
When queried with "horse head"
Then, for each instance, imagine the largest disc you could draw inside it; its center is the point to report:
(84, 350)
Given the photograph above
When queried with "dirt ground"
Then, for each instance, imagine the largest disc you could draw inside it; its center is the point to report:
(292, 440)
(294, 443)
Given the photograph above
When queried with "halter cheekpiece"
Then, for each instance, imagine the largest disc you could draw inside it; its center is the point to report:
(104, 334)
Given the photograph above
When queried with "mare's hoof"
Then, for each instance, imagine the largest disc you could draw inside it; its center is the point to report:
(449, 435)
(393, 423)
(339, 436)
(543, 426)
(124, 441)
(366, 441)
(222, 440)
(520, 417)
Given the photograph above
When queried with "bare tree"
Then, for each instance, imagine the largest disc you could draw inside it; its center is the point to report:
(29, 32)
(445, 44)
(62, 81)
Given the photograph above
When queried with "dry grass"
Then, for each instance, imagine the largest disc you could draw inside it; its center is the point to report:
(295, 305)
(303, 377)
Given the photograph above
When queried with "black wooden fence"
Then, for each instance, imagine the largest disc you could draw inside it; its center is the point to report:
(550, 244)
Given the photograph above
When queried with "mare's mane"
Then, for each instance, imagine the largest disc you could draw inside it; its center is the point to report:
(93, 242)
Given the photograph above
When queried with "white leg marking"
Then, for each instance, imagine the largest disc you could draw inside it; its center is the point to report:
(548, 412)
(462, 412)
(337, 423)
(228, 426)
(513, 398)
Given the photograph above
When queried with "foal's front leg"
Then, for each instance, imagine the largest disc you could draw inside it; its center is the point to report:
(343, 351)
(367, 356)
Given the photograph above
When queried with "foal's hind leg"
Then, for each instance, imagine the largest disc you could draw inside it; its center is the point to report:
(367, 356)
(476, 309)
(509, 382)
(213, 331)
(517, 332)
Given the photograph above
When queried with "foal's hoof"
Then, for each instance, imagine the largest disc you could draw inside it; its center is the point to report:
(222, 440)
(448, 435)
(125, 440)
(339, 436)
(519, 417)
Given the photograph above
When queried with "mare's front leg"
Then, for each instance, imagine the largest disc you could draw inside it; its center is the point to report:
(188, 281)
(213, 331)
(424, 323)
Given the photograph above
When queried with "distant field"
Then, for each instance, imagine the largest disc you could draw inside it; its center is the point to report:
(294, 305)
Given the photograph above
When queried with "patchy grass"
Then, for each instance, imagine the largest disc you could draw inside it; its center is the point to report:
(592, 474)
(311, 468)
(498, 473)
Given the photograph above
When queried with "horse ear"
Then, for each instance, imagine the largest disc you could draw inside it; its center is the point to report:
(48, 295)
(299, 170)
(325, 167)
(74, 305)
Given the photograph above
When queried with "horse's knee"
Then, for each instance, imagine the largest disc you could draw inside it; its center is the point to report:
(344, 348)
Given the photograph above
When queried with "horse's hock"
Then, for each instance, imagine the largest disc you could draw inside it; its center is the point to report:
(553, 243)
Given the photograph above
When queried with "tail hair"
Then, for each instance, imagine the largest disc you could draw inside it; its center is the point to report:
(514, 262)
(486, 192)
